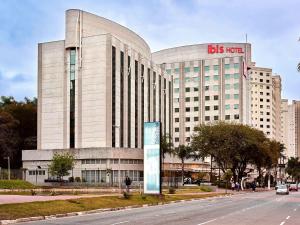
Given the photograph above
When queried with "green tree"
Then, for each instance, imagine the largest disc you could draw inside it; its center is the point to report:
(25, 114)
(166, 147)
(61, 164)
(8, 138)
(226, 177)
(183, 152)
(293, 168)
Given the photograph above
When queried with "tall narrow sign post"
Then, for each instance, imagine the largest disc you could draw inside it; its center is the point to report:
(152, 158)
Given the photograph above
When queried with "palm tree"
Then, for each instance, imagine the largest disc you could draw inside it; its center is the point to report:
(293, 168)
(183, 152)
(166, 146)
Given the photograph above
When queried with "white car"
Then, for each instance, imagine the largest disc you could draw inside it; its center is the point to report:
(282, 189)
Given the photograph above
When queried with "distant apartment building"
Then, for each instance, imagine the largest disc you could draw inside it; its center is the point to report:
(266, 102)
(284, 124)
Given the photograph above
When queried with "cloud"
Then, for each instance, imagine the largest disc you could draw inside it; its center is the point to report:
(272, 28)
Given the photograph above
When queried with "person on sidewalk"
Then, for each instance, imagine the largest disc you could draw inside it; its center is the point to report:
(127, 183)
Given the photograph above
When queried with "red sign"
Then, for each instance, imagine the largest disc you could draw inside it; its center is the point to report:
(219, 49)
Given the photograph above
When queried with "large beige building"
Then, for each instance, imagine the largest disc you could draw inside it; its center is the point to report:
(96, 89)
(266, 102)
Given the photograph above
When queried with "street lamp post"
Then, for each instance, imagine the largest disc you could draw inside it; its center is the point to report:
(8, 166)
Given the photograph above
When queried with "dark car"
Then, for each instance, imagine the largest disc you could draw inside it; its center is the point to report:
(293, 187)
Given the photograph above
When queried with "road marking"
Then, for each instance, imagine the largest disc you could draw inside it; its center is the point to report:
(120, 222)
(282, 223)
(207, 222)
(288, 217)
(295, 209)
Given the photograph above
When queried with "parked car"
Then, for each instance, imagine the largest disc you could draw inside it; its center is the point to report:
(282, 189)
(293, 187)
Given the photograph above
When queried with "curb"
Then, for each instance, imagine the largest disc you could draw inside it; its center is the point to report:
(37, 218)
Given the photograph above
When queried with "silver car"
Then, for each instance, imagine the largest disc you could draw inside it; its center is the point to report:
(282, 190)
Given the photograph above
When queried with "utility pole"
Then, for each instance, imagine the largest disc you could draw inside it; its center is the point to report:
(8, 166)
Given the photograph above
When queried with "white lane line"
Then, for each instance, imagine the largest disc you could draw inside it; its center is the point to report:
(207, 222)
(120, 222)
(288, 217)
(282, 223)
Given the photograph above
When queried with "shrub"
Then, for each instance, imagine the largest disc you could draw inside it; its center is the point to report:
(33, 192)
(172, 190)
(15, 184)
(71, 179)
(126, 195)
(205, 189)
(144, 197)
(77, 179)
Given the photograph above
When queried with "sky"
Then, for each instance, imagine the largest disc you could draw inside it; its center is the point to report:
(272, 27)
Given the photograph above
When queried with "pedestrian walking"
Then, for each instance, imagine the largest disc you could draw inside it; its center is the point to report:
(127, 183)
(232, 186)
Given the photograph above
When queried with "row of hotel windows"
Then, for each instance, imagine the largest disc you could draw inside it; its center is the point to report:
(261, 74)
(261, 93)
(215, 88)
(208, 108)
(206, 68)
(261, 80)
(36, 172)
(207, 78)
(100, 176)
(112, 161)
(261, 99)
(207, 98)
(207, 118)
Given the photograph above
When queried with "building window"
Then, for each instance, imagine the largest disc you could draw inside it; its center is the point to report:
(176, 109)
(236, 116)
(176, 129)
(206, 88)
(187, 119)
(196, 69)
(187, 89)
(216, 77)
(227, 117)
(176, 120)
(72, 97)
(227, 96)
(216, 97)
(236, 86)
(187, 129)
(176, 90)
(176, 100)
(227, 86)
(129, 103)
(196, 118)
(236, 106)
(176, 81)
(196, 109)
(206, 78)
(187, 79)
(206, 68)
(196, 89)
(227, 107)
(187, 69)
(196, 99)
(216, 87)
(176, 139)
(236, 66)
(176, 70)
(207, 118)
(216, 117)
(268, 81)
(187, 109)
(236, 96)
(236, 76)
(207, 98)
(207, 108)
(187, 99)
(216, 67)
(227, 76)
(216, 107)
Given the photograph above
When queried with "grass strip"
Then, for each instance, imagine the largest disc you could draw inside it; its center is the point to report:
(21, 210)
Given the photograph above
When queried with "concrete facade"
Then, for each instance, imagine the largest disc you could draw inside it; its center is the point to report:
(96, 89)
(266, 102)
(210, 83)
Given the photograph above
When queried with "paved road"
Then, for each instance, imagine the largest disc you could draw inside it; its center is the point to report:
(251, 208)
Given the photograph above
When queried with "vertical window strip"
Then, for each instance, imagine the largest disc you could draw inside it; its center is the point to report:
(136, 90)
(129, 105)
(113, 114)
(122, 100)
(72, 97)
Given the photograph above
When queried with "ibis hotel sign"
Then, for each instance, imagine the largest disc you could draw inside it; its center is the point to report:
(219, 49)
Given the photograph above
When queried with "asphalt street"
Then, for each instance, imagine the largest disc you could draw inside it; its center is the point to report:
(247, 208)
